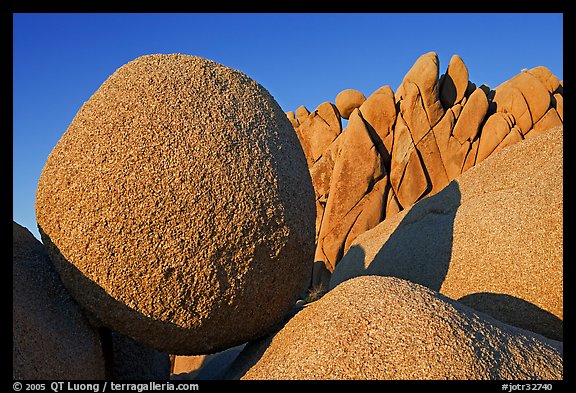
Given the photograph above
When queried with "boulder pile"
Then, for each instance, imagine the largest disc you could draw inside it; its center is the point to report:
(184, 215)
(410, 144)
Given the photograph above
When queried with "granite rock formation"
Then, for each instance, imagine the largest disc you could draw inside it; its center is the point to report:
(492, 238)
(434, 128)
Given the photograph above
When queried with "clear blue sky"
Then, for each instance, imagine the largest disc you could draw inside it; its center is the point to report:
(302, 59)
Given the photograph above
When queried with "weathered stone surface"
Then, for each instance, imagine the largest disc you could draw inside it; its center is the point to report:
(320, 204)
(366, 214)
(470, 160)
(482, 234)
(456, 109)
(432, 130)
(379, 112)
(508, 98)
(407, 176)
(514, 136)
(51, 338)
(546, 77)
(351, 180)
(432, 161)
(302, 113)
(321, 173)
(177, 200)
(371, 210)
(454, 162)
(424, 154)
(413, 112)
(320, 129)
(559, 99)
(290, 115)
(424, 74)
(443, 133)
(386, 328)
(392, 204)
(303, 137)
(468, 124)
(550, 120)
(348, 100)
(510, 101)
(496, 128)
(454, 83)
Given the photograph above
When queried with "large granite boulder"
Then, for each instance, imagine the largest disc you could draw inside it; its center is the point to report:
(177, 201)
(386, 328)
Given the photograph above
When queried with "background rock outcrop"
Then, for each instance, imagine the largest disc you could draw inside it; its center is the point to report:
(492, 238)
(427, 133)
(176, 202)
(51, 337)
(386, 328)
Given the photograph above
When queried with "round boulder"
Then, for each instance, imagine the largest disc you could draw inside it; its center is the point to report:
(348, 100)
(178, 207)
(385, 328)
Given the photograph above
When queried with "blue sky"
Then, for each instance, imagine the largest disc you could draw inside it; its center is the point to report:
(59, 60)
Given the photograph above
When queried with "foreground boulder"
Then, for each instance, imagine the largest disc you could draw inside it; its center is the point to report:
(386, 328)
(51, 337)
(493, 238)
(176, 202)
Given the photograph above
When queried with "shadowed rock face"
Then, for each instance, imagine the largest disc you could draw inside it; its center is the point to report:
(51, 337)
(132, 361)
(177, 200)
(496, 229)
(386, 328)
(430, 131)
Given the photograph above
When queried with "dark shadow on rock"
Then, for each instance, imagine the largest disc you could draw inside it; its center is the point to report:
(216, 366)
(133, 361)
(319, 279)
(249, 356)
(516, 312)
(213, 367)
(254, 350)
(447, 91)
(420, 248)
